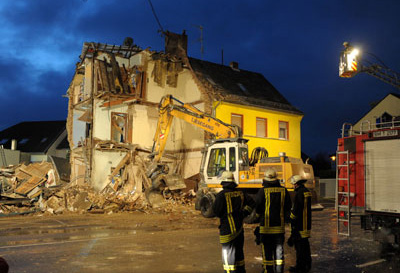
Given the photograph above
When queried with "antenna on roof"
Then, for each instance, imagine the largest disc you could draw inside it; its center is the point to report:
(200, 40)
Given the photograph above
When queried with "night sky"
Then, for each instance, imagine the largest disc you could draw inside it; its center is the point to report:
(294, 44)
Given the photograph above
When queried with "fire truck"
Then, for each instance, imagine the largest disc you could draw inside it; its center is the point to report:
(367, 177)
(368, 161)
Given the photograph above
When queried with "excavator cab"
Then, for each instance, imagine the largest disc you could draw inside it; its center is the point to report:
(224, 155)
(348, 63)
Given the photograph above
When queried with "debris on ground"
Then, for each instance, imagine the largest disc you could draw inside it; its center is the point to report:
(38, 188)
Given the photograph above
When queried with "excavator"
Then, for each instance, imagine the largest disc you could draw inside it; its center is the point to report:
(228, 150)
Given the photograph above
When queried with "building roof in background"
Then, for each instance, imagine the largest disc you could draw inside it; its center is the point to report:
(240, 86)
(64, 144)
(33, 136)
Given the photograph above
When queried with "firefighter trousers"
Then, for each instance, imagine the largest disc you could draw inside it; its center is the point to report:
(272, 250)
(303, 255)
(233, 256)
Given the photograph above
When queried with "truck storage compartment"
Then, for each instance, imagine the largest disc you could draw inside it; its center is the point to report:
(382, 173)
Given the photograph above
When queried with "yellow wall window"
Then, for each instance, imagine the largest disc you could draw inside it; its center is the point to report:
(237, 119)
(261, 127)
(283, 130)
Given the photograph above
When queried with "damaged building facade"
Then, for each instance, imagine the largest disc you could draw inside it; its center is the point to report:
(113, 109)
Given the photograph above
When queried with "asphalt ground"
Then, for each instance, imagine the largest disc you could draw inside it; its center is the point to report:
(179, 240)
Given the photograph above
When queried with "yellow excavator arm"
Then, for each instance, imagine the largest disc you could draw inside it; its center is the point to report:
(187, 112)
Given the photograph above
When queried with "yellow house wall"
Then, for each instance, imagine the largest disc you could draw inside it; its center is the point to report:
(274, 145)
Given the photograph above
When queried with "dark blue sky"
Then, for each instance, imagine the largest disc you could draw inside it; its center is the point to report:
(294, 44)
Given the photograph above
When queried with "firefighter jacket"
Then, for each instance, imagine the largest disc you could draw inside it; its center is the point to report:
(231, 206)
(301, 212)
(273, 207)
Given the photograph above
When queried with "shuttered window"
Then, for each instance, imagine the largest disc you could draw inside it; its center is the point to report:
(283, 130)
(261, 124)
(237, 119)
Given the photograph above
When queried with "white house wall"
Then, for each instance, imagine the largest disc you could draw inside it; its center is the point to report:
(390, 105)
(103, 161)
(144, 125)
(102, 119)
(78, 129)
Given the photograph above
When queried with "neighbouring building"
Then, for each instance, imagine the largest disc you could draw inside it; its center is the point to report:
(114, 94)
(34, 141)
(384, 113)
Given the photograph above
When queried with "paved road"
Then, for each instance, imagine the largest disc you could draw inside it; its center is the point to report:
(181, 241)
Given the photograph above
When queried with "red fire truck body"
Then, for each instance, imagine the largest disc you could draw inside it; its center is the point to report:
(368, 178)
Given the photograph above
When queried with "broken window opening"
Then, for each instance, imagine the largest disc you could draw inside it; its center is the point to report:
(119, 123)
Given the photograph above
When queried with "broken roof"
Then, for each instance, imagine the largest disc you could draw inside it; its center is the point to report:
(125, 51)
(33, 136)
(240, 86)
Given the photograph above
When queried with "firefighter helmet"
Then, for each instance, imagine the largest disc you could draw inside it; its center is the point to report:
(270, 174)
(297, 179)
(227, 176)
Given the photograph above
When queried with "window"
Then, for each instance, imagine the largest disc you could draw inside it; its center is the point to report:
(261, 124)
(217, 162)
(118, 127)
(3, 141)
(243, 159)
(283, 130)
(23, 141)
(237, 119)
(232, 159)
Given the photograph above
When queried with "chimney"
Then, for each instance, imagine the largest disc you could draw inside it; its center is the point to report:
(234, 65)
(176, 44)
(13, 144)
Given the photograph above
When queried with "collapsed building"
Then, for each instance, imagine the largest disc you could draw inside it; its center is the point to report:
(113, 111)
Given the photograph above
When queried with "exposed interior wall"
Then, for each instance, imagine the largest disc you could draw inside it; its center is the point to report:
(78, 129)
(143, 124)
(390, 105)
(78, 168)
(102, 119)
(274, 145)
(191, 164)
(103, 162)
(183, 136)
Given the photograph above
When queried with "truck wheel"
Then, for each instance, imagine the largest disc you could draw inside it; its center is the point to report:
(206, 203)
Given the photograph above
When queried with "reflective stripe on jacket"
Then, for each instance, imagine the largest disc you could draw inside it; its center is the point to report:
(301, 212)
(273, 206)
(231, 206)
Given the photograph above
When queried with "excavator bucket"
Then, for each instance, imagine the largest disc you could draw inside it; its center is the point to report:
(174, 182)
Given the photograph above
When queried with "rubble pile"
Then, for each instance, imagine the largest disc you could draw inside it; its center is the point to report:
(37, 188)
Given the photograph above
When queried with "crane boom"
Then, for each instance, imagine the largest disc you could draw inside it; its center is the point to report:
(187, 112)
(350, 65)
(384, 74)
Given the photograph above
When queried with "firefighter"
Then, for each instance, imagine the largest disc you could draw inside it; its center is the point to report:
(273, 209)
(231, 206)
(300, 218)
